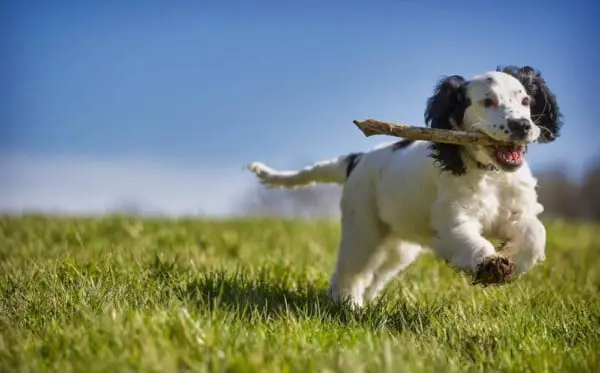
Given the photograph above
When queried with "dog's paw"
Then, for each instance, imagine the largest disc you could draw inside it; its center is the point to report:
(494, 270)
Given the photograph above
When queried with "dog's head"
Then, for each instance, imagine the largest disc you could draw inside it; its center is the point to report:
(510, 104)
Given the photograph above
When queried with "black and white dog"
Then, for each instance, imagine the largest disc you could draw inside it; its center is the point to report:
(402, 198)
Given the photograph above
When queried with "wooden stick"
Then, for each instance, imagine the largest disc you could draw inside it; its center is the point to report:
(371, 127)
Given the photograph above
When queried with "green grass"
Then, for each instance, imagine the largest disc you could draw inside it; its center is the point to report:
(124, 294)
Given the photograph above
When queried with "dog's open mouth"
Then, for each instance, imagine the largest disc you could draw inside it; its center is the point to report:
(508, 156)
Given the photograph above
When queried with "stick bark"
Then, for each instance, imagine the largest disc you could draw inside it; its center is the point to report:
(371, 127)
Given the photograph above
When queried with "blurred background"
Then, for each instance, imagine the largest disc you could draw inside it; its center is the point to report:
(155, 107)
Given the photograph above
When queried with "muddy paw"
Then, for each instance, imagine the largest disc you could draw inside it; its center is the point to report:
(494, 270)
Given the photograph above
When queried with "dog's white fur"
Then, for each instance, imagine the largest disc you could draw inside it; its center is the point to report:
(396, 202)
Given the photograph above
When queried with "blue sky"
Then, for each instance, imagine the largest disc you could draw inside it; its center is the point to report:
(165, 102)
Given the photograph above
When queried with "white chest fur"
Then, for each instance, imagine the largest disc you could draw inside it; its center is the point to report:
(495, 200)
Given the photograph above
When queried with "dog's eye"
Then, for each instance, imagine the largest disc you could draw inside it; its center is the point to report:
(525, 101)
(489, 102)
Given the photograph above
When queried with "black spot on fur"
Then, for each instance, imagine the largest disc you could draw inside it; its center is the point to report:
(352, 160)
(544, 108)
(402, 144)
(447, 104)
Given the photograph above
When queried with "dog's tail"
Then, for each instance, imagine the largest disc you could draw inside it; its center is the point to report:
(335, 170)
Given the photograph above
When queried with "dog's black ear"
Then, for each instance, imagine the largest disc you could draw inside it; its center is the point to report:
(544, 108)
(449, 101)
(445, 110)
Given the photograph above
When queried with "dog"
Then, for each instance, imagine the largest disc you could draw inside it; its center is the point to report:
(413, 196)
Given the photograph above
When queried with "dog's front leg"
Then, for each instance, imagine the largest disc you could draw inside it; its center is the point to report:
(526, 243)
(460, 242)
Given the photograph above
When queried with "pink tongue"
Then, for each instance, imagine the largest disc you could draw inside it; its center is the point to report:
(512, 155)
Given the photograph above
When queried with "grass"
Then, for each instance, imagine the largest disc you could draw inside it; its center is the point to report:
(125, 294)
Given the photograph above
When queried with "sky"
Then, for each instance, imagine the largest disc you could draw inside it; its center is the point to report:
(164, 103)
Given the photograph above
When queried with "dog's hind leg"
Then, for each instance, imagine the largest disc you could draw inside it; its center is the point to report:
(398, 255)
(360, 253)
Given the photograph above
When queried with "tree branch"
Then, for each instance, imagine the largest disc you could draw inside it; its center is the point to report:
(371, 127)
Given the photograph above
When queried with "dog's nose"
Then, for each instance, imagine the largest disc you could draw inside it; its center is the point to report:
(519, 128)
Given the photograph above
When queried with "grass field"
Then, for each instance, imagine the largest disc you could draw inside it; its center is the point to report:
(124, 294)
